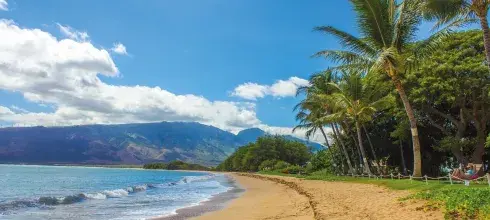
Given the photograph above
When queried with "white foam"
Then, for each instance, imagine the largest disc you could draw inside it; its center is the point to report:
(139, 188)
(95, 195)
(116, 193)
(190, 179)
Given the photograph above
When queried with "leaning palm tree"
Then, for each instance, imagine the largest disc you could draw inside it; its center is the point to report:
(456, 13)
(386, 45)
(356, 100)
(308, 117)
(311, 110)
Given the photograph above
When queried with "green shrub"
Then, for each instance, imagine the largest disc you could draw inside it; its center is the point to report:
(294, 169)
(281, 165)
(464, 203)
(267, 164)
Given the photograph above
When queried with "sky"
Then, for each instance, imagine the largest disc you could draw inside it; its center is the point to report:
(230, 64)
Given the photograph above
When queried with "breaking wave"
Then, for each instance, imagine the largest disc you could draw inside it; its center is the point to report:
(47, 202)
(188, 179)
(53, 201)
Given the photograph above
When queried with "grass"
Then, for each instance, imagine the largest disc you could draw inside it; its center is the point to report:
(459, 201)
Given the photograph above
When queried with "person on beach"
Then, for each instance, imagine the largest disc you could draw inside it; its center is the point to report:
(469, 174)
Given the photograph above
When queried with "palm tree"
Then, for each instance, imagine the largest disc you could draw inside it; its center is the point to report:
(308, 119)
(456, 13)
(372, 149)
(356, 100)
(312, 110)
(387, 45)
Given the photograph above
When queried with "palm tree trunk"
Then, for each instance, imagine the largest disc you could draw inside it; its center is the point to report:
(417, 156)
(372, 149)
(345, 127)
(328, 146)
(342, 145)
(403, 158)
(361, 146)
(324, 136)
(358, 150)
(486, 37)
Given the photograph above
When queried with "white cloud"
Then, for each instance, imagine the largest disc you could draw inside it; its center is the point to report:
(72, 33)
(119, 48)
(18, 109)
(65, 73)
(4, 5)
(281, 88)
(250, 91)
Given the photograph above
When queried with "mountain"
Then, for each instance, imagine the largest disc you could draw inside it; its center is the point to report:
(119, 144)
(251, 134)
(123, 144)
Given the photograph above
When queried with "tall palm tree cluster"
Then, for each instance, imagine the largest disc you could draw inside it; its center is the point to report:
(347, 95)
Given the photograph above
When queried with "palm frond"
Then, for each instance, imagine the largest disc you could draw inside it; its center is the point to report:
(406, 23)
(387, 58)
(443, 10)
(342, 56)
(459, 21)
(424, 48)
(373, 18)
(333, 118)
(349, 41)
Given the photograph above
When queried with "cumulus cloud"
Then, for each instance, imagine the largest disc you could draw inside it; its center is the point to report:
(4, 5)
(72, 33)
(251, 91)
(281, 88)
(119, 48)
(64, 73)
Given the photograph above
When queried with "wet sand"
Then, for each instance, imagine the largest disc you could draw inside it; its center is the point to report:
(217, 202)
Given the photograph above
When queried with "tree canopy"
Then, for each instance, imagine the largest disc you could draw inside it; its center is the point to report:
(267, 148)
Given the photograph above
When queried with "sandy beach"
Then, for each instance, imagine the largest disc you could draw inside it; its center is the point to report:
(274, 197)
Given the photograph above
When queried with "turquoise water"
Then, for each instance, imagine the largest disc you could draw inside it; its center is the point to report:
(55, 192)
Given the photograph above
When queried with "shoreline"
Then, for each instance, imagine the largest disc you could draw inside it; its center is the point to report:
(105, 167)
(263, 200)
(215, 203)
(289, 198)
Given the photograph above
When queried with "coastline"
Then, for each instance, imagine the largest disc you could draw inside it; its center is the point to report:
(263, 199)
(215, 203)
(288, 198)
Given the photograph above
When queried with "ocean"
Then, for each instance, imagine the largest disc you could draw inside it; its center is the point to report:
(60, 192)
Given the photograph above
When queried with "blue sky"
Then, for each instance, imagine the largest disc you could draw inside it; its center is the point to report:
(202, 48)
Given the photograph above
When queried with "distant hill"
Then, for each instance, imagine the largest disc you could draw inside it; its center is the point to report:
(250, 135)
(123, 144)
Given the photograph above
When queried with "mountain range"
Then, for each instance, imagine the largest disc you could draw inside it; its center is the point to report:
(124, 143)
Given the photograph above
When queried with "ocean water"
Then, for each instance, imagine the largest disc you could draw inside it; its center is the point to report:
(57, 192)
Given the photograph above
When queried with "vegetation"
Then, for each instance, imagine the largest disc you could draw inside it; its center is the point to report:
(386, 46)
(442, 83)
(442, 110)
(175, 165)
(462, 203)
(457, 13)
(268, 152)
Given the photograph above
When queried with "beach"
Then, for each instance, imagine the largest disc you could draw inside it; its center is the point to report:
(275, 197)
